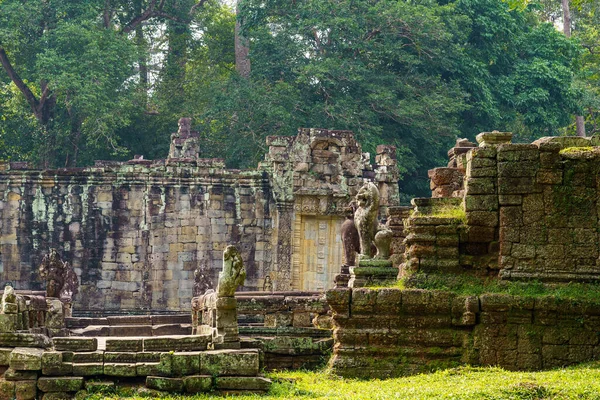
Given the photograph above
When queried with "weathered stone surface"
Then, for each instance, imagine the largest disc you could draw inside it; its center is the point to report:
(7, 389)
(60, 384)
(75, 344)
(58, 396)
(26, 390)
(176, 343)
(186, 363)
(198, 383)
(165, 384)
(96, 386)
(54, 365)
(119, 369)
(26, 359)
(24, 340)
(19, 375)
(88, 357)
(243, 383)
(88, 369)
(229, 362)
(122, 357)
(122, 344)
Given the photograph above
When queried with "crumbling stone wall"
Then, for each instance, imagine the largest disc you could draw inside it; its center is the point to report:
(136, 231)
(382, 333)
(527, 211)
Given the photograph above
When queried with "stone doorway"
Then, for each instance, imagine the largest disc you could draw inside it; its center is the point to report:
(319, 251)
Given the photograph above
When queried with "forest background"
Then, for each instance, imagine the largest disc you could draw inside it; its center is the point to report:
(106, 79)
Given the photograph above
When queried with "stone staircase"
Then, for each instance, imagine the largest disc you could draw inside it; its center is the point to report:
(131, 325)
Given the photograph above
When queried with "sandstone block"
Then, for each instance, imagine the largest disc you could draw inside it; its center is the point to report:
(119, 369)
(88, 357)
(198, 383)
(243, 383)
(120, 357)
(26, 359)
(60, 384)
(124, 345)
(176, 343)
(148, 369)
(18, 375)
(75, 344)
(173, 385)
(26, 390)
(88, 369)
(185, 363)
(229, 362)
(7, 389)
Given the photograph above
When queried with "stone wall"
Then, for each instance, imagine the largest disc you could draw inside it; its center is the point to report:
(525, 211)
(136, 231)
(382, 333)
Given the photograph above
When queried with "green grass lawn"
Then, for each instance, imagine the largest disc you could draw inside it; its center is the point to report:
(581, 382)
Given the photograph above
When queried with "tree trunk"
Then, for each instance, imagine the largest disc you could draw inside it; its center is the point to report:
(242, 62)
(579, 120)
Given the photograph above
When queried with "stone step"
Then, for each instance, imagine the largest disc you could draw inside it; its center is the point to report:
(133, 330)
(122, 320)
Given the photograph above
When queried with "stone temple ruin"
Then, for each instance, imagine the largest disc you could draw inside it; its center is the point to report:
(182, 276)
(136, 232)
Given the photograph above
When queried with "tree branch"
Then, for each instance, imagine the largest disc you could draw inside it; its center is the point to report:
(29, 96)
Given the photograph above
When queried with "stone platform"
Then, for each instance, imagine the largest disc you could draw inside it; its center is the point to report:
(176, 363)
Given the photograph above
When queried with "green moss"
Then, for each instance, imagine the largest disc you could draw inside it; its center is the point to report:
(469, 285)
(572, 150)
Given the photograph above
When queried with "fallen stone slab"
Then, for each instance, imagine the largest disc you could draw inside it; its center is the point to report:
(14, 339)
(26, 359)
(165, 384)
(60, 384)
(75, 344)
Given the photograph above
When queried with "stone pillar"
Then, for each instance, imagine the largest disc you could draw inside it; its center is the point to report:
(285, 217)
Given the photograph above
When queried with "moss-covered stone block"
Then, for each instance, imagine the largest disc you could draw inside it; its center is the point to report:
(124, 345)
(172, 385)
(88, 369)
(26, 359)
(58, 396)
(185, 363)
(26, 390)
(89, 357)
(75, 344)
(243, 383)
(198, 383)
(119, 369)
(120, 357)
(229, 362)
(53, 364)
(60, 384)
(7, 389)
(148, 369)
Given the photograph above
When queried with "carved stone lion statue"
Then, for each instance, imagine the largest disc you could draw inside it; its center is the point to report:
(365, 217)
(233, 274)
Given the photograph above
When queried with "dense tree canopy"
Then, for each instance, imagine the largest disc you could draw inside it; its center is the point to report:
(88, 79)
